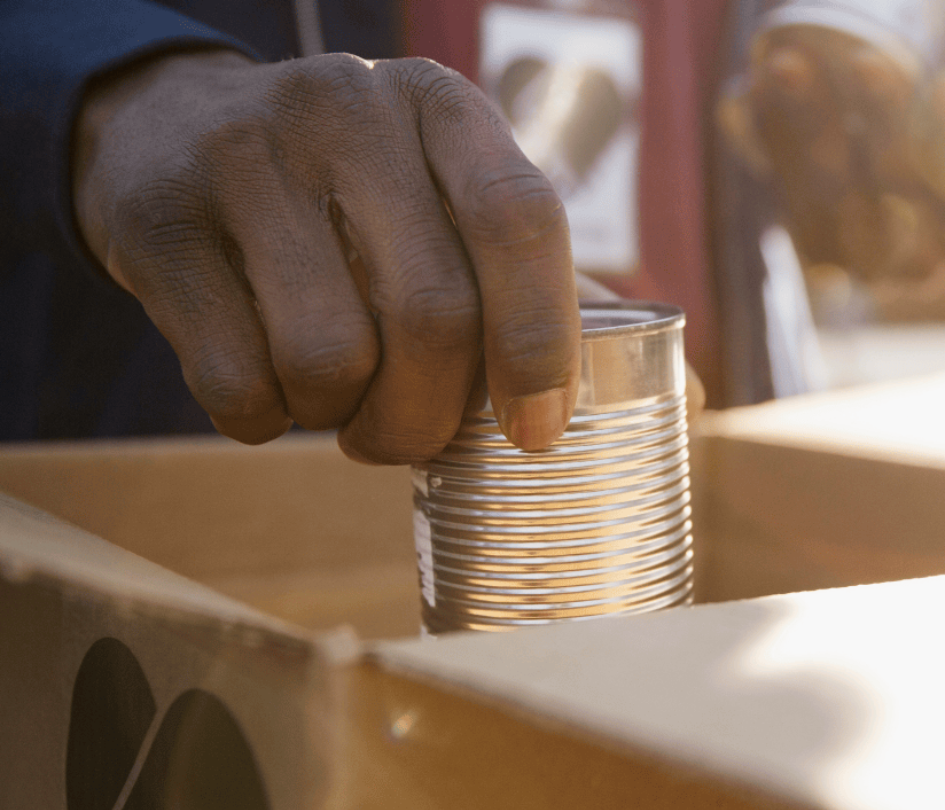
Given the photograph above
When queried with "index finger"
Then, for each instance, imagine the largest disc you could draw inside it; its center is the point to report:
(514, 228)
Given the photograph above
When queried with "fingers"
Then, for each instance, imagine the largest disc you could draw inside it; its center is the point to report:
(250, 278)
(515, 232)
(322, 339)
(423, 292)
(186, 285)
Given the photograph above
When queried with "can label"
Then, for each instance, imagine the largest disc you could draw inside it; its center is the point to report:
(421, 534)
(420, 481)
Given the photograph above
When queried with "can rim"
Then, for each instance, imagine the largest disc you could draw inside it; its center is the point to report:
(602, 320)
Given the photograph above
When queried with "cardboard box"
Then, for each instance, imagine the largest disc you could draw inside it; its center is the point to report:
(822, 491)
(134, 679)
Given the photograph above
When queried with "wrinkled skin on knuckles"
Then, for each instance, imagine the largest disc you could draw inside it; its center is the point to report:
(333, 242)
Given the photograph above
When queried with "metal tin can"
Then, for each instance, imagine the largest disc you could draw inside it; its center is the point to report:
(598, 523)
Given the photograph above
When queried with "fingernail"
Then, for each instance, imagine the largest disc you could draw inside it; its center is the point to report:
(534, 421)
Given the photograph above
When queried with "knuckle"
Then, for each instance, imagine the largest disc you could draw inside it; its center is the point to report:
(435, 90)
(327, 89)
(444, 320)
(328, 364)
(162, 213)
(332, 110)
(513, 207)
(343, 71)
(227, 389)
(180, 197)
(419, 71)
(424, 78)
(241, 144)
(163, 241)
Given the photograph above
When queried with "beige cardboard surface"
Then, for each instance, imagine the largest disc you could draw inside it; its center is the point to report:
(421, 742)
(779, 519)
(821, 491)
(902, 421)
(119, 678)
(292, 527)
(830, 699)
(36, 545)
(212, 507)
(774, 703)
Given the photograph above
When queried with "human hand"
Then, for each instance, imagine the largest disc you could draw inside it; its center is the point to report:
(853, 137)
(334, 242)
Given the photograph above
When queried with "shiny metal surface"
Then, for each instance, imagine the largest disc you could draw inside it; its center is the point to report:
(596, 524)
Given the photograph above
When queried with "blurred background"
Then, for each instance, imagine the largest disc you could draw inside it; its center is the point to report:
(776, 168)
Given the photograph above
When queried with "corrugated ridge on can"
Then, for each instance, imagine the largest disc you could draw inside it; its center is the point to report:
(598, 523)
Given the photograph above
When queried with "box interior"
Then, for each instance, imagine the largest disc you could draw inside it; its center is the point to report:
(784, 501)
(815, 492)
(293, 528)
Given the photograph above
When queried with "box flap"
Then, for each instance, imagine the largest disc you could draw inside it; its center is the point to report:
(827, 490)
(293, 527)
(897, 421)
(830, 699)
(122, 679)
(35, 545)
(207, 507)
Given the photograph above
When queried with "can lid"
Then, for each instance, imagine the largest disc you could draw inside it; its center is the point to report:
(609, 319)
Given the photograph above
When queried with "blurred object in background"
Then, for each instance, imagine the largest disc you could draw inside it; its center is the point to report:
(822, 203)
(797, 365)
(841, 105)
(832, 116)
(570, 86)
(609, 98)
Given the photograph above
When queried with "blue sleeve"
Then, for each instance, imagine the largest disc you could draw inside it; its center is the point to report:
(49, 50)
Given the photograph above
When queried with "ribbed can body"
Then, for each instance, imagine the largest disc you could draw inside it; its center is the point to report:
(599, 523)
